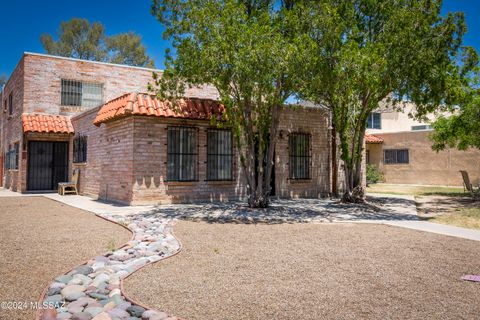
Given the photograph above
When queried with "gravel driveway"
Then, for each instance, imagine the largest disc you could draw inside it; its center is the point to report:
(40, 239)
(312, 271)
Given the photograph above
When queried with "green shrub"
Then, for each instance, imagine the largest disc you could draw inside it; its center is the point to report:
(373, 174)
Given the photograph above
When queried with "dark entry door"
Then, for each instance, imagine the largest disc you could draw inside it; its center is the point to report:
(47, 164)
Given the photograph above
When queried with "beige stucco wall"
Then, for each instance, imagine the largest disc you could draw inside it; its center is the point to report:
(425, 165)
(398, 121)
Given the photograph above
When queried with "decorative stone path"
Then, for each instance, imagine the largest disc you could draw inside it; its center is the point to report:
(92, 291)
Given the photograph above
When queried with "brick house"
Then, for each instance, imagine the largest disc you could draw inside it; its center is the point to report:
(61, 114)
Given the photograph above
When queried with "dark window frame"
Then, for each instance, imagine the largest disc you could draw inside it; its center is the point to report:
(297, 160)
(178, 158)
(72, 93)
(10, 104)
(80, 147)
(396, 156)
(374, 120)
(12, 157)
(422, 127)
(214, 157)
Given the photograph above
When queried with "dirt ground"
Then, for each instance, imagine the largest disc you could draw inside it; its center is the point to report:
(39, 240)
(436, 205)
(312, 271)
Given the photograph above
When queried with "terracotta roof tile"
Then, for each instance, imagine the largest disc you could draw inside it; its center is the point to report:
(46, 123)
(372, 139)
(147, 105)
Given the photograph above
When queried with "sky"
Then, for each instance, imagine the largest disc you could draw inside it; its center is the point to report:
(24, 21)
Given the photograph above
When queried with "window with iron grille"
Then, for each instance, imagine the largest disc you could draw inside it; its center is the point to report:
(182, 154)
(10, 104)
(11, 157)
(84, 94)
(80, 149)
(219, 154)
(16, 150)
(396, 156)
(299, 155)
(374, 120)
(7, 160)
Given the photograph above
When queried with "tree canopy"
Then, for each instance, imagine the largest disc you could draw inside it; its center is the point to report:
(78, 38)
(365, 52)
(3, 79)
(251, 52)
(461, 129)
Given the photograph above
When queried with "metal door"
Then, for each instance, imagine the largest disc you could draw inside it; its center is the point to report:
(47, 164)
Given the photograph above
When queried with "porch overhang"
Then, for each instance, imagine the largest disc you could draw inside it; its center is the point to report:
(371, 139)
(141, 104)
(47, 123)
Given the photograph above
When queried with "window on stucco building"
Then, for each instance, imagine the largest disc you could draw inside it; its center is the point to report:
(374, 120)
(182, 154)
(396, 156)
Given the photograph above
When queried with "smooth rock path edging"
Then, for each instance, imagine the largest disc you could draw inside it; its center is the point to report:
(93, 291)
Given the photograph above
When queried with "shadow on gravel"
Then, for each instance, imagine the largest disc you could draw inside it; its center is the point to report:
(290, 211)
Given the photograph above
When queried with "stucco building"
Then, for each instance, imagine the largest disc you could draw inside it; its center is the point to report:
(61, 114)
(400, 147)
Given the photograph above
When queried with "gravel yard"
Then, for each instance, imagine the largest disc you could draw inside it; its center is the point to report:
(41, 239)
(312, 271)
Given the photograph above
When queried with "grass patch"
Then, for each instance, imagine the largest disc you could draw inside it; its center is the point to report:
(415, 190)
(466, 218)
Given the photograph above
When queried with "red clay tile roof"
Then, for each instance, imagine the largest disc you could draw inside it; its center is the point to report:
(46, 123)
(146, 105)
(372, 139)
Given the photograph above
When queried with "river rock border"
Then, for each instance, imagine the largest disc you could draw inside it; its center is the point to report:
(93, 291)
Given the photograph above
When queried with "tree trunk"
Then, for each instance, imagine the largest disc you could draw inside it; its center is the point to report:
(354, 192)
(258, 164)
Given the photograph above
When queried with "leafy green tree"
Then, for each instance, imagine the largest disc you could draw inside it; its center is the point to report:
(460, 130)
(78, 38)
(127, 48)
(364, 52)
(3, 79)
(250, 51)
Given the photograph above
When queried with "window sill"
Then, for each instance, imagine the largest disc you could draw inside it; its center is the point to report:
(83, 164)
(300, 180)
(181, 183)
(220, 181)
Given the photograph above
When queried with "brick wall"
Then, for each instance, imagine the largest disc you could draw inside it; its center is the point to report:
(43, 75)
(126, 161)
(314, 122)
(11, 130)
(108, 172)
(150, 157)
